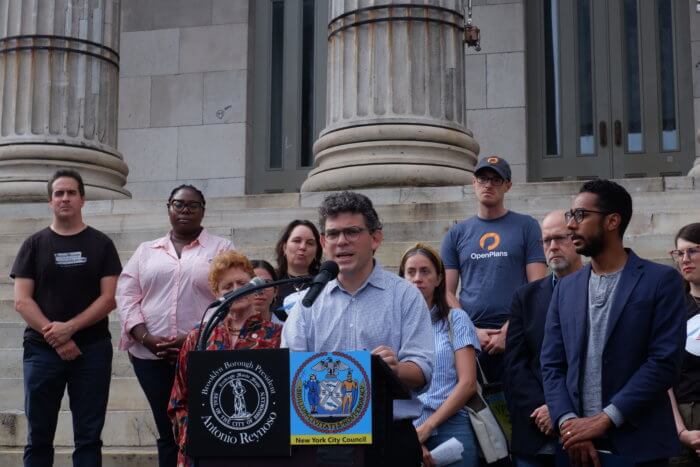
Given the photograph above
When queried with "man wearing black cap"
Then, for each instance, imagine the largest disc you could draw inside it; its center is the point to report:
(491, 254)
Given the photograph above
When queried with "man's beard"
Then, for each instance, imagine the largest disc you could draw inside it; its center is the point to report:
(592, 246)
(560, 265)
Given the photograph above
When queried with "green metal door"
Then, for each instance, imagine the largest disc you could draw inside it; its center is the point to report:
(610, 89)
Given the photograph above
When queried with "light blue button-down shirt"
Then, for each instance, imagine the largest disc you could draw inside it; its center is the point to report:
(385, 310)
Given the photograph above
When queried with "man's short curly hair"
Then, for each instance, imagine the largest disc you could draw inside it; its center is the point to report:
(350, 202)
(225, 261)
(611, 198)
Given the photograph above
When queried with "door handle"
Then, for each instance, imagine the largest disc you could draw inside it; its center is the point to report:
(617, 129)
(603, 134)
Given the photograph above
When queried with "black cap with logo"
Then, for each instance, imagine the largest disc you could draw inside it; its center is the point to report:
(495, 163)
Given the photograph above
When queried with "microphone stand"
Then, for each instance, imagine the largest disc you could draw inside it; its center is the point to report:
(222, 310)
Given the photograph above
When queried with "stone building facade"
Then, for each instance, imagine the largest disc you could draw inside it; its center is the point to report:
(183, 109)
(231, 94)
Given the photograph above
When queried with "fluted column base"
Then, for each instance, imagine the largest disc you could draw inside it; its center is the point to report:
(392, 155)
(26, 167)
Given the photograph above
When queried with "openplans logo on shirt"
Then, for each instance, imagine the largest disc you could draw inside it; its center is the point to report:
(489, 242)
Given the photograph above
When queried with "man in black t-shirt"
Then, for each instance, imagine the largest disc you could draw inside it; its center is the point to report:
(65, 278)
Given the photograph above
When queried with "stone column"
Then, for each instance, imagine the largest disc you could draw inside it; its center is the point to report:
(395, 97)
(59, 90)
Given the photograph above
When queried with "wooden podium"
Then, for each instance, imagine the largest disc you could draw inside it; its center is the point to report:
(224, 381)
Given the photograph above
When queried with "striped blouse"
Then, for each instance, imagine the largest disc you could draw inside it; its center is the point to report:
(444, 373)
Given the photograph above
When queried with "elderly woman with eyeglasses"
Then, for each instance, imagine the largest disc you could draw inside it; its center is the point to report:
(242, 328)
(162, 294)
(685, 396)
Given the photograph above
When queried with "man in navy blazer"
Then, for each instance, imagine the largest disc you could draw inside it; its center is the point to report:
(534, 442)
(613, 340)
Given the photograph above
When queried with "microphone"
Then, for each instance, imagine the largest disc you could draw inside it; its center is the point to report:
(255, 282)
(328, 272)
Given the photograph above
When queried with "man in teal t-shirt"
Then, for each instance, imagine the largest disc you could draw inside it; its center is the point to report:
(491, 254)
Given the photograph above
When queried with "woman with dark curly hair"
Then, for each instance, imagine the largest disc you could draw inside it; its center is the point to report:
(298, 254)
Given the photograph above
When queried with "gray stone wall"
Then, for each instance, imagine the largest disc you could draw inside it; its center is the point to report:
(495, 83)
(183, 95)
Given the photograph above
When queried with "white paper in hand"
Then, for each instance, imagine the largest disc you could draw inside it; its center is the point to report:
(448, 452)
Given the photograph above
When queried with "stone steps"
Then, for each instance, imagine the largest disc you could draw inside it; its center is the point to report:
(529, 192)
(11, 333)
(11, 363)
(228, 223)
(130, 206)
(123, 428)
(259, 241)
(392, 204)
(6, 292)
(124, 394)
(9, 315)
(111, 457)
(254, 223)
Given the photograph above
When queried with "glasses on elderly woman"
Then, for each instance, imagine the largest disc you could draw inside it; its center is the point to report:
(678, 255)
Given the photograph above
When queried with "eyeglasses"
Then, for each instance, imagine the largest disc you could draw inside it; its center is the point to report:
(351, 234)
(678, 255)
(192, 206)
(579, 214)
(495, 181)
(557, 238)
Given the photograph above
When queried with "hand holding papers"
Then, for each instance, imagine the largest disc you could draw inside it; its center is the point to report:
(448, 452)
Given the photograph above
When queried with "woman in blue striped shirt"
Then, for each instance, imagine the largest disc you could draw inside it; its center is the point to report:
(454, 374)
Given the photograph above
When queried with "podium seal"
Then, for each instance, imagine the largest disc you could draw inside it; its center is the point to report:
(239, 399)
(331, 394)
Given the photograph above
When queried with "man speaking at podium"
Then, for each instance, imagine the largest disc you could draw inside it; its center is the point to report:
(367, 308)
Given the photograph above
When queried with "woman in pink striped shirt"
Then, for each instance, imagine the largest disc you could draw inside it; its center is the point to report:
(162, 293)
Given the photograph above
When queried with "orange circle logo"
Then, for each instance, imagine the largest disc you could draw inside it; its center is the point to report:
(492, 160)
(490, 236)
